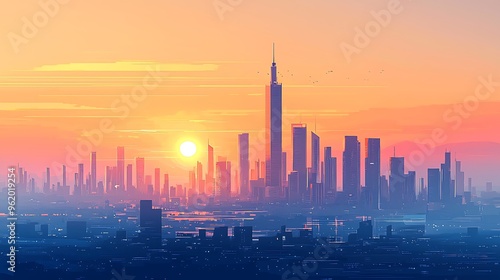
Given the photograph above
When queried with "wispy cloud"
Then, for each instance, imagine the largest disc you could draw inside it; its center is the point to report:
(13, 106)
(133, 66)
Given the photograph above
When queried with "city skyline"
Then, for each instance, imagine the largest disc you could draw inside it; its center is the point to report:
(352, 181)
(216, 94)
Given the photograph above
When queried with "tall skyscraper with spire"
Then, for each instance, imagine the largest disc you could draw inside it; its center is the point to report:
(120, 167)
(351, 168)
(372, 171)
(273, 134)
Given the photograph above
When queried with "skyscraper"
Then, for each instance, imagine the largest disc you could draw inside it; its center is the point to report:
(459, 178)
(330, 173)
(46, 187)
(223, 179)
(93, 172)
(166, 188)
(299, 157)
(129, 177)
(150, 222)
(433, 185)
(409, 195)
(372, 171)
(314, 158)
(244, 150)
(199, 177)
(397, 181)
(447, 193)
(139, 175)
(64, 176)
(157, 182)
(283, 170)
(351, 168)
(210, 172)
(120, 167)
(273, 133)
(80, 179)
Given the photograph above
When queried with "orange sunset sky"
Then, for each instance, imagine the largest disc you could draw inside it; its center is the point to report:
(211, 61)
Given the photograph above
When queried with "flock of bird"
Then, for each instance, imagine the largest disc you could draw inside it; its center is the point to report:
(315, 81)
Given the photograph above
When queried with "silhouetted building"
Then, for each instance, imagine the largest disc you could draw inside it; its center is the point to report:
(139, 175)
(223, 179)
(220, 234)
(200, 183)
(365, 230)
(299, 161)
(129, 177)
(351, 168)
(244, 150)
(273, 133)
(372, 172)
(409, 195)
(157, 182)
(330, 173)
(397, 181)
(243, 235)
(447, 193)
(315, 144)
(80, 179)
(433, 185)
(210, 186)
(46, 186)
(120, 168)
(93, 172)
(459, 178)
(150, 222)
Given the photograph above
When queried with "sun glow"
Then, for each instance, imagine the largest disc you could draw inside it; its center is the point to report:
(188, 149)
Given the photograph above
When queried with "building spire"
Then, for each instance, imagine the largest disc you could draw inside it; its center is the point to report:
(274, 71)
(274, 61)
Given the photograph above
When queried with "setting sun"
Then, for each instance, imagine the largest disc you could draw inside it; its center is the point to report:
(188, 149)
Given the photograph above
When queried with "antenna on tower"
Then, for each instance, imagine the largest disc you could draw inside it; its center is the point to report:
(273, 54)
(394, 151)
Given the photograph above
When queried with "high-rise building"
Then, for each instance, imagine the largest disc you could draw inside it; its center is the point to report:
(409, 195)
(447, 193)
(299, 156)
(157, 182)
(372, 172)
(397, 181)
(244, 150)
(150, 222)
(199, 176)
(315, 158)
(330, 173)
(273, 133)
(243, 235)
(433, 185)
(120, 168)
(139, 175)
(64, 176)
(80, 179)
(293, 186)
(46, 187)
(210, 172)
(351, 168)
(283, 170)
(93, 172)
(223, 179)
(459, 178)
(129, 178)
(148, 182)
(165, 191)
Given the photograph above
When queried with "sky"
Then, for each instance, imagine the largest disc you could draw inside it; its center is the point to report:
(155, 73)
